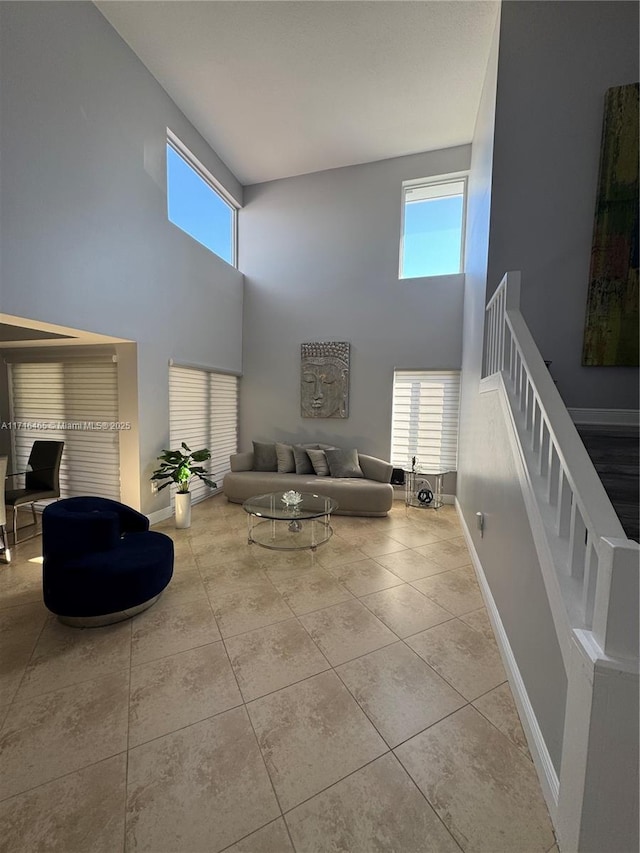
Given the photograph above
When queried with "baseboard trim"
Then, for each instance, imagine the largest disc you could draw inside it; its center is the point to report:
(546, 771)
(160, 515)
(606, 417)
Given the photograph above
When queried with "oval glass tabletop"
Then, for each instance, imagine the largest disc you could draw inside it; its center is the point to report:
(272, 506)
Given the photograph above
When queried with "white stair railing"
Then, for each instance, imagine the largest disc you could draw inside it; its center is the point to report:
(597, 566)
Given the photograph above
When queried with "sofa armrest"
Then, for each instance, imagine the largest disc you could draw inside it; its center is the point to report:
(242, 461)
(375, 469)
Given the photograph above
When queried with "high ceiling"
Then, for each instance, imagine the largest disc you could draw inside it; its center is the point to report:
(284, 88)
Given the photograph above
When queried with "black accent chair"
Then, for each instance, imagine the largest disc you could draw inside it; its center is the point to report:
(101, 564)
(42, 480)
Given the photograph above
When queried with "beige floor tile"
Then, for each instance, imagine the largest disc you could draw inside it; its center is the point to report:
(346, 631)
(272, 838)
(20, 628)
(185, 586)
(249, 608)
(482, 787)
(376, 809)
(413, 536)
(179, 690)
(479, 619)
(171, 627)
(443, 526)
(198, 789)
(271, 658)
(409, 565)
(217, 547)
(337, 552)
(311, 735)
(284, 561)
(364, 576)
(400, 694)
(20, 583)
(456, 590)
(405, 610)
(310, 590)
(499, 708)
(232, 576)
(65, 655)
(372, 544)
(462, 656)
(56, 733)
(80, 813)
(450, 553)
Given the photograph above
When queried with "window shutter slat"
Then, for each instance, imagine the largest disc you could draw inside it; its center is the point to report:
(425, 419)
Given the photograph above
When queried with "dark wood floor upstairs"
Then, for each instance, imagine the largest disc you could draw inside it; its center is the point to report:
(615, 453)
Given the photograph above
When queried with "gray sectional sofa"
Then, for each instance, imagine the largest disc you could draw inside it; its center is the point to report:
(368, 494)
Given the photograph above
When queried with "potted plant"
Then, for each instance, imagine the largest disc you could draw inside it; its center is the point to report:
(179, 467)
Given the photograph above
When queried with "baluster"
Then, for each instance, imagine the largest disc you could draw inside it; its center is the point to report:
(589, 581)
(501, 332)
(563, 514)
(492, 360)
(577, 542)
(528, 407)
(543, 458)
(535, 428)
(554, 475)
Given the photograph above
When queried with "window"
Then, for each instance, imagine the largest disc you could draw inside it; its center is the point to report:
(432, 228)
(425, 419)
(70, 401)
(198, 205)
(204, 413)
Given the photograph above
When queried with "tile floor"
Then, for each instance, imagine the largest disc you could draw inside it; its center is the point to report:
(351, 701)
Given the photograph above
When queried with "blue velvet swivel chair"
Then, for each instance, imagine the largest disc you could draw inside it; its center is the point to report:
(101, 564)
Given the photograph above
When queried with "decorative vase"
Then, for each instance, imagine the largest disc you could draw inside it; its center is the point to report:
(183, 510)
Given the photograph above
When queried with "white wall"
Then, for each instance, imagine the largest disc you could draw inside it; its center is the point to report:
(320, 258)
(557, 59)
(85, 240)
(488, 480)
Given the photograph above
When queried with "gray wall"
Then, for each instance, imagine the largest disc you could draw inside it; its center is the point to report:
(320, 258)
(488, 480)
(557, 59)
(85, 240)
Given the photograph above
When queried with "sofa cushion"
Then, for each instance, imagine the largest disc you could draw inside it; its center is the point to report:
(303, 462)
(264, 457)
(343, 463)
(285, 457)
(319, 462)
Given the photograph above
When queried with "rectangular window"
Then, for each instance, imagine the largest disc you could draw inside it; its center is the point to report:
(70, 401)
(432, 228)
(204, 413)
(197, 205)
(425, 419)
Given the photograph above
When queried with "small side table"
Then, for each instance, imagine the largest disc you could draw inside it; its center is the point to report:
(417, 483)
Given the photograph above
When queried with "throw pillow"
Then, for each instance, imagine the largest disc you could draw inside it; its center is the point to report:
(343, 463)
(319, 462)
(264, 457)
(303, 463)
(286, 461)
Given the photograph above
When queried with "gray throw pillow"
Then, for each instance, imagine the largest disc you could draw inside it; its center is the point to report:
(286, 460)
(319, 462)
(343, 463)
(303, 463)
(264, 457)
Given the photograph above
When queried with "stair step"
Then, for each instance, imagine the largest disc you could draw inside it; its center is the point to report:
(615, 453)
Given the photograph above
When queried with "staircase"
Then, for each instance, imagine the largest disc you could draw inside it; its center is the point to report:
(615, 453)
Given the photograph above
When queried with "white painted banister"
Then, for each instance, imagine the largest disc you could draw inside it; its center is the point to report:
(585, 536)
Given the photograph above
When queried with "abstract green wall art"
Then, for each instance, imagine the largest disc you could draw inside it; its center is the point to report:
(611, 326)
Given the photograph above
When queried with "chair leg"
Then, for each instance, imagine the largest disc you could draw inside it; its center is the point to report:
(5, 553)
(33, 513)
(15, 525)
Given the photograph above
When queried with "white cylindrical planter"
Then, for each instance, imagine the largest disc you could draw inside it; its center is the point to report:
(183, 510)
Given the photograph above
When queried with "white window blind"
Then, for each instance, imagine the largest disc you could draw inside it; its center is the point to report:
(70, 401)
(425, 419)
(204, 413)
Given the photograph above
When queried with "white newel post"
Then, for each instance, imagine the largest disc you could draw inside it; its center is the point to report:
(598, 798)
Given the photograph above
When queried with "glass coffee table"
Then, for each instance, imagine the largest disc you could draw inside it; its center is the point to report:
(273, 524)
